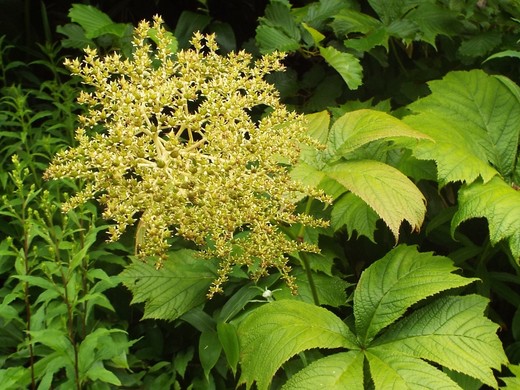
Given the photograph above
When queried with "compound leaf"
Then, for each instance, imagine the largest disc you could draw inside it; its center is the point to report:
(173, 290)
(451, 331)
(499, 203)
(391, 285)
(336, 372)
(276, 331)
(385, 189)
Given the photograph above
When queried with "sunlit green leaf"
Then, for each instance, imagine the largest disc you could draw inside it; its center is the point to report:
(499, 203)
(345, 64)
(393, 371)
(385, 189)
(453, 332)
(276, 331)
(336, 372)
(391, 285)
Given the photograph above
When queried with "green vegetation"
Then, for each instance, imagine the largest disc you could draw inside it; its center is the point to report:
(328, 200)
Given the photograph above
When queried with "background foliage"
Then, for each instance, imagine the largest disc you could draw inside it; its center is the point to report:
(417, 103)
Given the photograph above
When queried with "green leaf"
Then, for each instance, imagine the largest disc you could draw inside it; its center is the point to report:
(227, 334)
(393, 371)
(330, 289)
(188, 23)
(209, 351)
(357, 128)
(352, 212)
(499, 203)
(171, 291)
(505, 53)
(277, 29)
(481, 44)
(75, 36)
(95, 22)
(391, 285)
(336, 372)
(276, 331)
(472, 117)
(318, 125)
(271, 38)
(385, 189)
(317, 37)
(345, 64)
(433, 20)
(451, 331)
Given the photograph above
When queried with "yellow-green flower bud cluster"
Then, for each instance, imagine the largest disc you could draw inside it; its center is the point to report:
(169, 140)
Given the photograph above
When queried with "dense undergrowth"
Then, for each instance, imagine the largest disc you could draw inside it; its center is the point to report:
(379, 178)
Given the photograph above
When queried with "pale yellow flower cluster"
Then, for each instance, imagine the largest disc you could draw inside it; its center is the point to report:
(172, 140)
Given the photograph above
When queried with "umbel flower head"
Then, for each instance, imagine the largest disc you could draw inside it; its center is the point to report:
(170, 141)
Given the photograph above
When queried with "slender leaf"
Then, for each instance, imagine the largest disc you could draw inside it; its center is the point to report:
(391, 285)
(276, 331)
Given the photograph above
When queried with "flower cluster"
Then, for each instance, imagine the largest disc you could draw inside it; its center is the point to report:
(172, 141)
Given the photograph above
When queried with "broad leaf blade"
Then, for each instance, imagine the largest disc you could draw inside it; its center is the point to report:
(385, 189)
(173, 290)
(473, 119)
(393, 371)
(358, 128)
(345, 64)
(276, 331)
(499, 203)
(336, 372)
(392, 284)
(453, 332)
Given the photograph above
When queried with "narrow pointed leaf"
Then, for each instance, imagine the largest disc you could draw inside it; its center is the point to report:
(473, 118)
(386, 190)
(391, 285)
(173, 290)
(276, 331)
(358, 128)
(345, 64)
(499, 203)
(393, 371)
(336, 372)
(453, 332)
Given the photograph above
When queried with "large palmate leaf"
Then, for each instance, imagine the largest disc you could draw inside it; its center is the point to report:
(499, 203)
(390, 286)
(451, 331)
(173, 290)
(385, 189)
(473, 119)
(95, 22)
(276, 331)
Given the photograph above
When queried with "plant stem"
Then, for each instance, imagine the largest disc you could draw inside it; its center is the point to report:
(305, 259)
